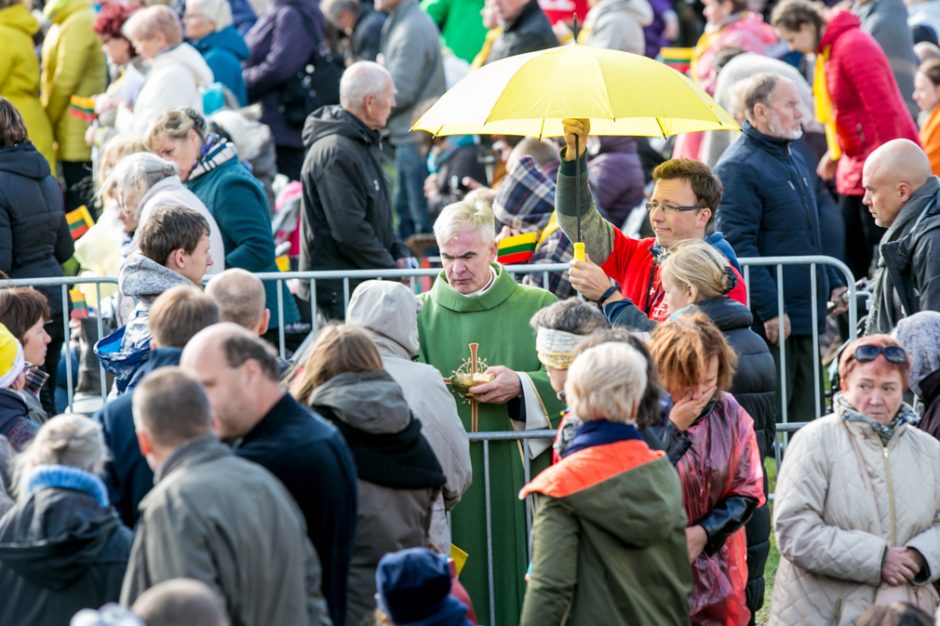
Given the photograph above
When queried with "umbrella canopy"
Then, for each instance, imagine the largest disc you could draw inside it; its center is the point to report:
(530, 94)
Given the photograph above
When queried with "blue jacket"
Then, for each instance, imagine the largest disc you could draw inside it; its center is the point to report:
(224, 51)
(126, 474)
(240, 208)
(769, 208)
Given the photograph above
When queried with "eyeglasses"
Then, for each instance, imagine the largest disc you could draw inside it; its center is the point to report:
(674, 208)
(894, 354)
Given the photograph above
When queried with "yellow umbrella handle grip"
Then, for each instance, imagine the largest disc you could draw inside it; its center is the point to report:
(579, 251)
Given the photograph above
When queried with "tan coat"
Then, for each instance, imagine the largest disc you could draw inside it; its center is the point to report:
(828, 536)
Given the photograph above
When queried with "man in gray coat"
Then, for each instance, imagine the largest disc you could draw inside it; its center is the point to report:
(390, 311)
(411, 51)
(904, 198)
(216, 518)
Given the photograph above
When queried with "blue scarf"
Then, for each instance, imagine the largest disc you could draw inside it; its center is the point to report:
(600, 433)
(65, 477)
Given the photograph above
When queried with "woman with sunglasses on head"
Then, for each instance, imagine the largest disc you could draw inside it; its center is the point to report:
(857, 509)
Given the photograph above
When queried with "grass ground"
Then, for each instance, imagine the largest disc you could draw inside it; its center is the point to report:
(773, 559)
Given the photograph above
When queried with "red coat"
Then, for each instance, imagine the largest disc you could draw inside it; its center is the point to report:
(633, 266)
(866, 102)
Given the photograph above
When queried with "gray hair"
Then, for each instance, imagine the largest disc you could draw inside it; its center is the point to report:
(606, 382)
(146, 23)
(136, 173)
(571, 316)
(240, 296)
(918, 335)
(70, 440)
(181, 601)
(216, 11)
(332, 9)
(465, 215)
(757, 90)
(361, 80)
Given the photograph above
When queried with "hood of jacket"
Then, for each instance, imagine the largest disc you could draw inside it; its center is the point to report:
(335, 120)
(22, 159)
(144, 279)
(623, 487)
(55, 536)
(19, 17)
(187, 56)
(840, 22)
(228, 39)
(58, 11)
(368, 401)
(727, 314)
(390, 310)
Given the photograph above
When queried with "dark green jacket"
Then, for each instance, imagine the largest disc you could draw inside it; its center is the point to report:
(609, 541)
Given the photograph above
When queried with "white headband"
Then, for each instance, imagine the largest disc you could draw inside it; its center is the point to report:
(556, 347)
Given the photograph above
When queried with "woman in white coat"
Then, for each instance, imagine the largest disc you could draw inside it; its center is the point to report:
(857, 510)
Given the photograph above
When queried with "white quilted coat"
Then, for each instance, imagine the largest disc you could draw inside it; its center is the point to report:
(824, 518)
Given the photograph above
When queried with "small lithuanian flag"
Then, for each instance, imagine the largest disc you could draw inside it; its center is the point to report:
(79, 221)
(677, 58)
(517, 249)
(79, 306)
(82, 108)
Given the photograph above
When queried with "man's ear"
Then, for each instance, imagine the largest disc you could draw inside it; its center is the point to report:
(265, 321)
(704, 216)
(144, 443)
(493, 251)
(176, 259)
(904, 191)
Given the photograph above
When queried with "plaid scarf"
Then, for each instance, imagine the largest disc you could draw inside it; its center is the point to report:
(35, 379)
(905, 415)
(215, 152)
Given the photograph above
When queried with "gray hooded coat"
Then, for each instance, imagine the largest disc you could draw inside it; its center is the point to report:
(390, 311)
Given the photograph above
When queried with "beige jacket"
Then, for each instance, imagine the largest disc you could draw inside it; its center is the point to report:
(831, 544)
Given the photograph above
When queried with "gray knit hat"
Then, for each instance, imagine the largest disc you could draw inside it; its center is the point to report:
(920, 336)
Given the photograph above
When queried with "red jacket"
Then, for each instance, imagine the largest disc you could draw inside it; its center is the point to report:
(633, 266)
(866, 102)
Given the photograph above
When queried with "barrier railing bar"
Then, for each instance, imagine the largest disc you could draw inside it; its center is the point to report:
(816, 374)
(489, 530)
(282, 351)
(70, 388)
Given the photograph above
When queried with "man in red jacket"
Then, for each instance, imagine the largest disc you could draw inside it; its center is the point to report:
(681, 207)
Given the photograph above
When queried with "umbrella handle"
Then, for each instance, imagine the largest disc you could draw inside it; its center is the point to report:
(578, 243)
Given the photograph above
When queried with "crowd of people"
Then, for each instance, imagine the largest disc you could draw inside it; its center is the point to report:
(185, 147)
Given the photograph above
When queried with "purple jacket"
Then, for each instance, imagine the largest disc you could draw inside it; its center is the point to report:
(653, 33)
(616, 175)
(279, 45)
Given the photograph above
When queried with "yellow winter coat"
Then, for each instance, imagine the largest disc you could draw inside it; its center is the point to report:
(73, 63)
(19, 75)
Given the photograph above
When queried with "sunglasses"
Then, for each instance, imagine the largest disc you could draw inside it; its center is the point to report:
(894, 354)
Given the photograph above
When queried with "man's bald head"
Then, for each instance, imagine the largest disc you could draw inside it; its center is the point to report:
(892, 173)
(179, 602)
(241, 299)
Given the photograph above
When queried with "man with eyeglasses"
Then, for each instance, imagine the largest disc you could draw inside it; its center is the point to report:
(680, 208)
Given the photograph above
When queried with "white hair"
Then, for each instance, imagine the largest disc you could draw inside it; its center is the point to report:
(606, 382)
(146, 23)
(361, 80)
(70, 440)
(216, 11)
(465, 215)
(136, 173)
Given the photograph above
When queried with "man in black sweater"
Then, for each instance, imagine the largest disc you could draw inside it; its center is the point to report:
(266, 425)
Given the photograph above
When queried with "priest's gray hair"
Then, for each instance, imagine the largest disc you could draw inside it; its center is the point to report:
(571, 316)
(465, 215)
(606, 382)
(361, 80)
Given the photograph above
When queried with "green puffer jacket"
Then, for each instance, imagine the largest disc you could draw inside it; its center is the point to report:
(609, 540)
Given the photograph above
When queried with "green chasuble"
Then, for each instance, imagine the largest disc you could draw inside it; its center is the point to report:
(498, 320)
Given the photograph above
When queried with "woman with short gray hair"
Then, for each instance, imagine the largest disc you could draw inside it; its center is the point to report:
(62, 547)
(143, 182)
(208, 25)
(610, 520)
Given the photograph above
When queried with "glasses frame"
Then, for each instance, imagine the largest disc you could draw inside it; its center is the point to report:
(667, 208)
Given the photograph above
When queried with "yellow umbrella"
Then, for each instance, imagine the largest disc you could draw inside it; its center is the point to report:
(530, 94)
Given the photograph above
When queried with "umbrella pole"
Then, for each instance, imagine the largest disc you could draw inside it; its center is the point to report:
(578, 244)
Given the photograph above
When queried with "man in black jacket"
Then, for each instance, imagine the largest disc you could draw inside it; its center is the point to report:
(903, 197)
(347, 219)
(525, 29)
(177, 315)
(267, 426)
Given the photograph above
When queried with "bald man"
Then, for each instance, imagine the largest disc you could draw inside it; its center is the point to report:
(902, 195)
(266, 425)
(240, 297)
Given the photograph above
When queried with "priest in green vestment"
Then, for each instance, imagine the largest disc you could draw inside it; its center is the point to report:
(474, 300)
